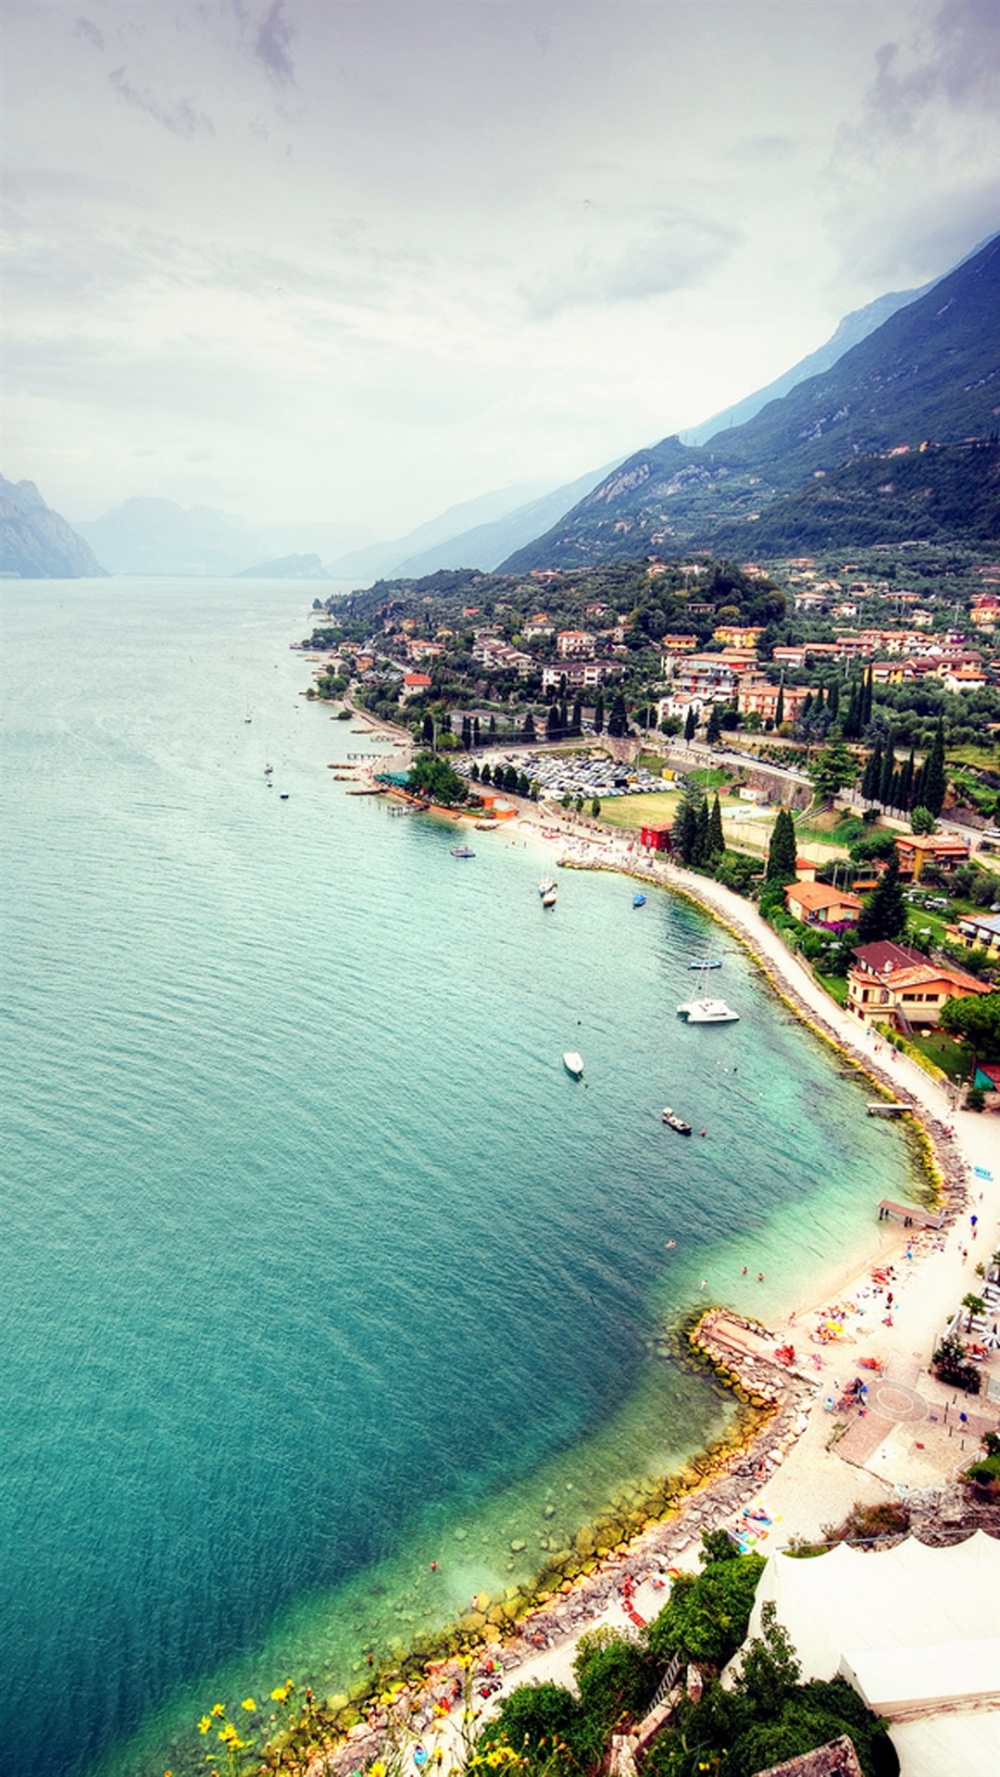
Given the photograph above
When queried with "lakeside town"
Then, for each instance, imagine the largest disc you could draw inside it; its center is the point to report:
(844, 826)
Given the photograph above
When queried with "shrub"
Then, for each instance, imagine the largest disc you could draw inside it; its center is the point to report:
(952, 1366)
(706, 1618)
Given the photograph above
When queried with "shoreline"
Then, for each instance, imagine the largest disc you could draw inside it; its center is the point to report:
(788, 1451)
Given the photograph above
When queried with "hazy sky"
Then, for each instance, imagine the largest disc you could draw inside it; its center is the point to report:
(304, 260)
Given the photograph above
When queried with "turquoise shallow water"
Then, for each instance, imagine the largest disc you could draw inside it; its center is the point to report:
(317, 1266)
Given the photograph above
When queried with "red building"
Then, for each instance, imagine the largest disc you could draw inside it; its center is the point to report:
(655, 838)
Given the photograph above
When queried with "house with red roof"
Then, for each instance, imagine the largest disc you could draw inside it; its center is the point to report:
(889, 983)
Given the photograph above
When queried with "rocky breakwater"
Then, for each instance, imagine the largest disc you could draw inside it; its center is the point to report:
(647, 1529)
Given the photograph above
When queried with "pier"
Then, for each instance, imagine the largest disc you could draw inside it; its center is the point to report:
(910, 1215)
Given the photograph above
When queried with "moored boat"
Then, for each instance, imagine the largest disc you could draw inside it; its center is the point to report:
(708, 1012)
(638, 900)
(546, 885)
(573, 1063)
(675, 1122)
(549, 898)
(462, 851)
(706, 962)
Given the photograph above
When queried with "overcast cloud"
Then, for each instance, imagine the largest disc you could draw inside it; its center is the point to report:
(304, 260)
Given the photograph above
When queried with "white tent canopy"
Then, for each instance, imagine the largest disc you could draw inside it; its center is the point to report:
(912, 1627)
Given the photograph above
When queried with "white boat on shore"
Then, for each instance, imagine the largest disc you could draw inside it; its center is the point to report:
(708, 1012)
(573, 1063)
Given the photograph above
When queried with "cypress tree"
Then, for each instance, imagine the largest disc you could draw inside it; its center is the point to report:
(896, 790)
(577, 721)
(872, 779)
(884, 915)
(563, 714)
(906, 783)
(833, 699)
(486, 775)
(782, 850)
(779, 708)
(466, 733)
(888, 767)
(852, 720)
(917, 788)
(716, 839)
(702, 834)
(866, 710)
(475, 730)
(599, 713)
(713, 733)
(807, 706)
(689, 723)
(528, 731)
(934, 780)
(552, 723)
(618, 719)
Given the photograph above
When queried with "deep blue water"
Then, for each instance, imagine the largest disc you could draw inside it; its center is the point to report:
(317, 1266)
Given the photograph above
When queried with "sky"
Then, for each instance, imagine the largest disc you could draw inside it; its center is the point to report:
(354, 263)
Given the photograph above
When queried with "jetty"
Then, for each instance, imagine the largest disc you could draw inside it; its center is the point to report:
(910, 1215)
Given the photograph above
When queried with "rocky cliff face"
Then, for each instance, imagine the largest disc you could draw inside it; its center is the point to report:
(35, 542)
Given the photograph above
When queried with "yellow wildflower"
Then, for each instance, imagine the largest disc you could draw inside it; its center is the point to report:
(218, 1709)
(204, 1724)
(377, 1769)
(248, 1704)
(280, 1694)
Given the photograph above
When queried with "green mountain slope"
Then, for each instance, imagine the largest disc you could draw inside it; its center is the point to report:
(931, 371)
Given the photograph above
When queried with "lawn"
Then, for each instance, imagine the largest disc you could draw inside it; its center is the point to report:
(656, 809)
(835, 986)
(944, 1052)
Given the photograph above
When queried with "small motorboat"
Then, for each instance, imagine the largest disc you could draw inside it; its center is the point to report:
(462, 851)
(284, 795)
(638, 900)
(706, 962)
(675, 1122)
(268, 770)
(549, 898)
(573, 1063)
(546, 885)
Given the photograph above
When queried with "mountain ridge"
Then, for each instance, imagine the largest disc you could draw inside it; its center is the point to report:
(931, 371)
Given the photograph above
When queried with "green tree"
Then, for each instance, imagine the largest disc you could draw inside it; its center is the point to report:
(618, 719)
(528, 730)
(713, 733)
(884, 913)
(427, 731)
(689, 723)
(684, 834)
(706, 1617)
(716, 838)
(782, 850)
(976, 1019)
(702, 837)
(934, 782)
(779, 708)
(921, 820)
(552, 728)
(833, 768)
(599, 713)
(433, 777)
(595, 808)
(872, 778)
(769, 1670)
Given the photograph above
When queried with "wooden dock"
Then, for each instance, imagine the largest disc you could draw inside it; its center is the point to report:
(909, 1214)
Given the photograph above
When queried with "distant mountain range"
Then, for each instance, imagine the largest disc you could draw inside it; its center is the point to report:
(35, 542)
(287, 567)
(440, 542)
(929, 372)
(153, 536)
